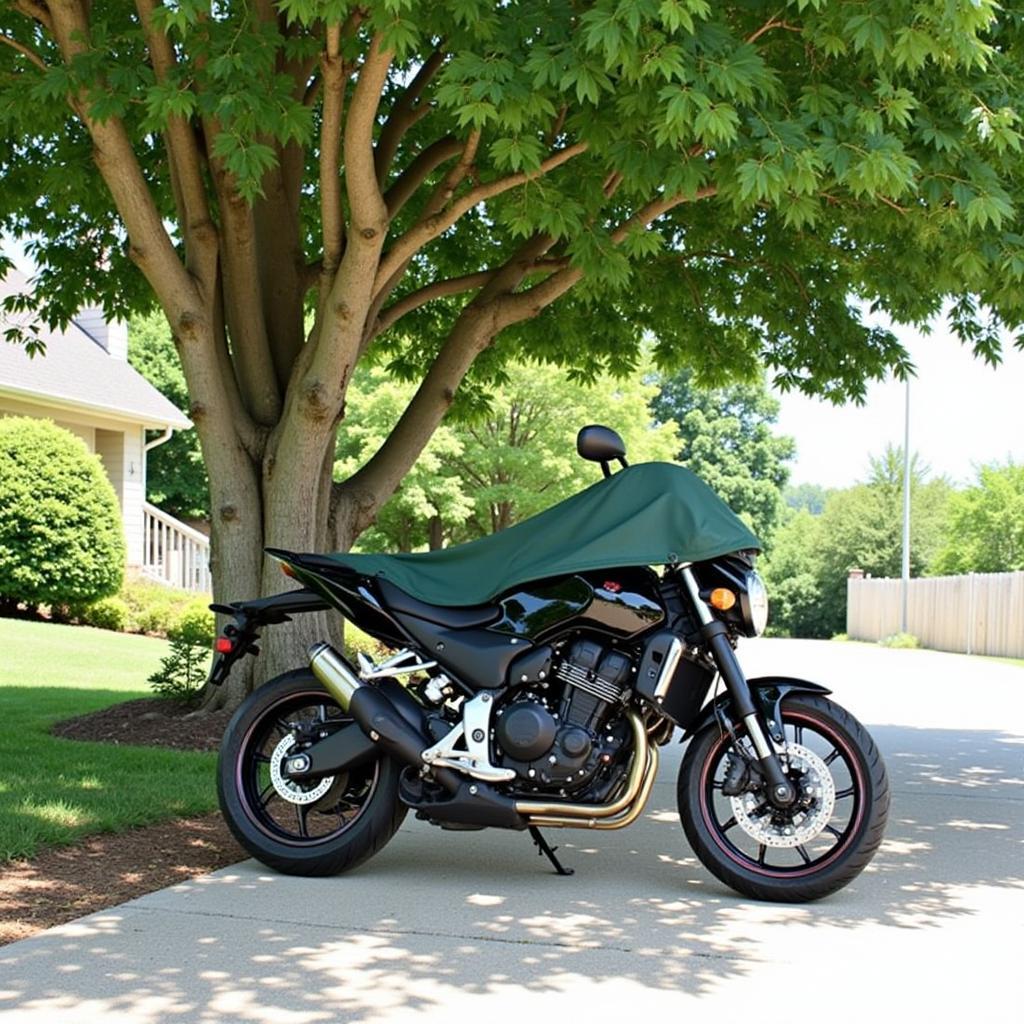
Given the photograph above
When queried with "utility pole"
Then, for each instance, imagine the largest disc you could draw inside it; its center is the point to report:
(905, 581)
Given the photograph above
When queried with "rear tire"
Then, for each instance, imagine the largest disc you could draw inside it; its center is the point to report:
(728, 839)
(353, 819)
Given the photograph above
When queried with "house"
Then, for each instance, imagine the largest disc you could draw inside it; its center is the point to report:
(85, 384)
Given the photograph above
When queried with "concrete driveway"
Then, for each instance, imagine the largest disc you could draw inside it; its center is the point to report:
(461, 927)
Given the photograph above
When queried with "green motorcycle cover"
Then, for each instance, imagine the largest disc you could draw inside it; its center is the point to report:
(649, 514)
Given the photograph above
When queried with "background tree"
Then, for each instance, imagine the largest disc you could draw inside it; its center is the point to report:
(811, 497)
(861, 526)
(175, 474)
(512, 455)
(727, 440)
(427, 179)
(985, 531)
(793, 573)
(430, 494)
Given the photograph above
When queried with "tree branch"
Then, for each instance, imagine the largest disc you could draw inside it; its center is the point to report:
(433, 225)
(773, 23)
(420, 297)
(404, 114)
(367, 204)
(333, 78)
(185, 161)
(427, 161)
(25, 52)
(36, 11)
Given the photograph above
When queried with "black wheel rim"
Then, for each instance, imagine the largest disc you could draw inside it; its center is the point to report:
(304, 716)
(745, 850)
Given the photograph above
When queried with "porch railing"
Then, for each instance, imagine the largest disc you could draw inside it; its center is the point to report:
(173, 552)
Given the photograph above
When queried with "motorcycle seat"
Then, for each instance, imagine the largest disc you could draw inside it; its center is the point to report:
(451, 617)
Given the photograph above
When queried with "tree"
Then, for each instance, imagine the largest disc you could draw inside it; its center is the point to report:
(425, 181)
(985, 531)
(175, 475)
(793, 573)
(61, 542)
(431, 491)
(862, 527)
(727, 440)
(811, 497)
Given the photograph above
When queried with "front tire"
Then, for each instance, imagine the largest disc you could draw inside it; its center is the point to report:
(802, 854)
(316, 828)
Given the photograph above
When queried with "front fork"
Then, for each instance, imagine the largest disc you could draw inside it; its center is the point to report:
(781, 791)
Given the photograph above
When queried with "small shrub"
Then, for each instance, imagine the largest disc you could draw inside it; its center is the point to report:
(841, 637)
(901, 641)
(106, 613)
(183, 671)
(61, 539)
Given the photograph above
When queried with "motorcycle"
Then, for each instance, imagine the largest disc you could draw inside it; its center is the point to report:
(544, 667)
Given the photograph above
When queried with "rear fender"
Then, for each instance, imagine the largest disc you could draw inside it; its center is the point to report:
(248, 618)
(768, 693)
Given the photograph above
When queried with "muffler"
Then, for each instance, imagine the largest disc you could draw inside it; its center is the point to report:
(377, 713)
(334, 672)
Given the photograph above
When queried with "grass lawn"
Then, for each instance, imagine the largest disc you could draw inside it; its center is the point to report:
(53, 791)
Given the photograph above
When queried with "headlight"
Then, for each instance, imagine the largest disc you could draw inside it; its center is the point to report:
(754, 604)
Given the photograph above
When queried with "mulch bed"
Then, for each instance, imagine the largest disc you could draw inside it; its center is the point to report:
(60, 885)
(149, 722)
(102, 871)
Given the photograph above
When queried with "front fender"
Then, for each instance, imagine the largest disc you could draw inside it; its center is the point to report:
(768, 693)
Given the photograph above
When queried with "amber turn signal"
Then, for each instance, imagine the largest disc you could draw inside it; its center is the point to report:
(722, 599)
(287, 570)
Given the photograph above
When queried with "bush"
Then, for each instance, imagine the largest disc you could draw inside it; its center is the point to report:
(61, 540)
(106, 613)
(841, 637)
(154, 607)
(904, 641)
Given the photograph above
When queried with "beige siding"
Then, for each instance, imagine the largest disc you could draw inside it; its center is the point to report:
(981, 613)
(124, 461)
(86, 431)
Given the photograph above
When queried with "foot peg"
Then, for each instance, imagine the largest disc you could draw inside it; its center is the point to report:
(544, 850)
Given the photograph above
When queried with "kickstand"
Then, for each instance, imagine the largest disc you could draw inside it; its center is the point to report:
(548, 851)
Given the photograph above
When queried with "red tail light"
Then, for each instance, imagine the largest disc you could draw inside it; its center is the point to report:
(224, 645)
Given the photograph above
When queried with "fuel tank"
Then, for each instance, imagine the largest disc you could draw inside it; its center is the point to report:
(620, 602)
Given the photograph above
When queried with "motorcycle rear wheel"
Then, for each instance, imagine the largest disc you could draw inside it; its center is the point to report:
(314, 828)
(762, 853)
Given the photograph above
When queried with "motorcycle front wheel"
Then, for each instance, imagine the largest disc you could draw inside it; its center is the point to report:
(316, 827)
(809, 850)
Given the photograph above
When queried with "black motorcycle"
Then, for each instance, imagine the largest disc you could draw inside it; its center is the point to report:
(544, 667)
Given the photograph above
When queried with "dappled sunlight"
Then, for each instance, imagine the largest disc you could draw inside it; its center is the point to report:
(447, 923)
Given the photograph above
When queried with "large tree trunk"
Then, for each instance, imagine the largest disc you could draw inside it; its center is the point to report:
(266, 400)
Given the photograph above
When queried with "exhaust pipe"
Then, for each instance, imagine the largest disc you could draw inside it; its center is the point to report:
(376, 712)
(331, 669)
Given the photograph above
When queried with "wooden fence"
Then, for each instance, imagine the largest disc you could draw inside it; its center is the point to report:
(982, 613)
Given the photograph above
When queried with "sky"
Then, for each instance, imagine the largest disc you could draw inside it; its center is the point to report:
(963, 412)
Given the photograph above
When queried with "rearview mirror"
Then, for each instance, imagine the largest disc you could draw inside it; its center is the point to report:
(601, 444)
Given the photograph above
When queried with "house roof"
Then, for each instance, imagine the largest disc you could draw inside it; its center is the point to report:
(77, 372)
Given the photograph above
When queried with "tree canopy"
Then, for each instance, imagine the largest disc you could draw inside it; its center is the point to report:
(986, 524)
(447, 186)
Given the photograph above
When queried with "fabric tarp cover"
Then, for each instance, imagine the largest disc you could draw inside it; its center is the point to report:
(649, 514)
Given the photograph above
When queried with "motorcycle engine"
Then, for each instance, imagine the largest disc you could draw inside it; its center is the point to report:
(558, 736)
